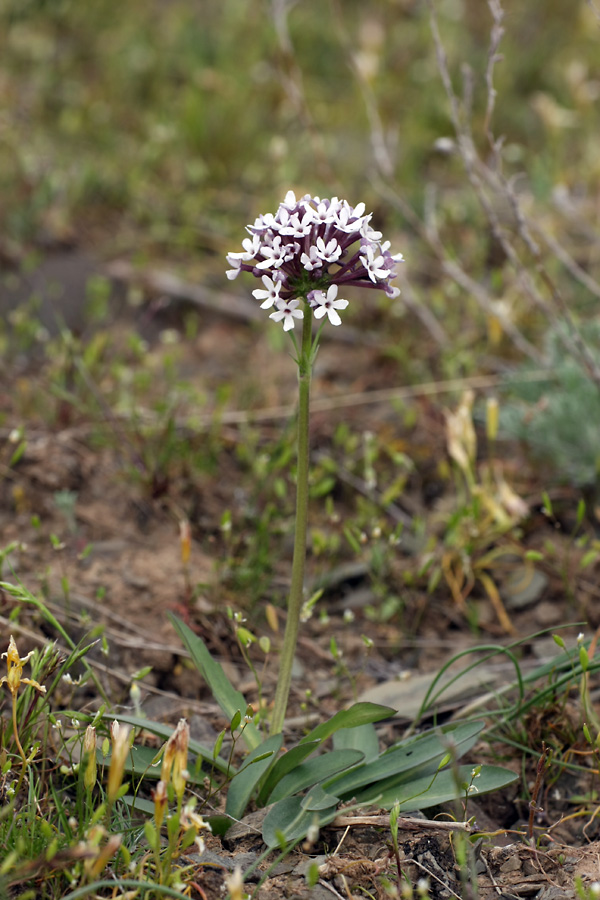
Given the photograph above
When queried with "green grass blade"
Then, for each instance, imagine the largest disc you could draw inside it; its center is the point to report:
(228, 698)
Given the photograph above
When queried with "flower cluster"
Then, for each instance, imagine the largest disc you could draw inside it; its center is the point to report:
(307, 251)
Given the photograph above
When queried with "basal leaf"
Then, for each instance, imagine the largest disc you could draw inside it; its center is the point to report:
(422, 793)
(287, 818)
(229, 699)
(314, 770)
(286, 763)
(139, 804)
(250, 773)
(318, 799)
(410, 759)
(358, 714)
(361, 737)
(219, 824)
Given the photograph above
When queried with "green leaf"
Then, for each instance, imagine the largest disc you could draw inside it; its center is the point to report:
(140, 804)
(165, 731)
(289, 819)
(410, 759)
(18, 453)
(150, 835)
(254, 767)
(218, 743)
(286, 763)
(188, 839)
(219, 824)
(421, 793)
(228, 698)
(315, 770)
(318, 799)
(580, 511)
(361, 737)
(358, 714)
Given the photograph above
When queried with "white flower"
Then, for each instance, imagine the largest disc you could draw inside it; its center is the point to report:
(329, 252)
(375, 266)
(250, 250)
(349, 219)
(290, 200)
(276, 254)
(251, 247)
(263, 223)
(271, 295)
(311, 260)
(233, 273)
(297, 227)
(396, 257)
(325, 212)
(287, 311)
(326, 303)
(368, 232)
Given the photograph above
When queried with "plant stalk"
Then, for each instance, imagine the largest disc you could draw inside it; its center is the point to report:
(297, 586)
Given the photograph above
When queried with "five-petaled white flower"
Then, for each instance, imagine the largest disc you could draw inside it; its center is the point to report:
(271, 295)
(375, 265)
(287, 311)
(330, 251)
(327, 304)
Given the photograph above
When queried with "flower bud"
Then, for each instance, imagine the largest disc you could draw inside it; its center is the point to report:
(491, 420)
(120, 748)
(460, 434)
(174, 765)
(235, 884)
(89, 757)
(105, 854)
(185, 538)
(159, 796)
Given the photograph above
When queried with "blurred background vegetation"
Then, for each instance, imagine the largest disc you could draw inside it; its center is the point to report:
(153, 131)
(162, 127)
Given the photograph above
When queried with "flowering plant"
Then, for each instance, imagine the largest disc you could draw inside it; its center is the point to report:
(304, 254)
(309, 250)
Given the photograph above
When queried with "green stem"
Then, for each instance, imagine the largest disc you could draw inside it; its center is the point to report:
(297, 586)
(18, 743)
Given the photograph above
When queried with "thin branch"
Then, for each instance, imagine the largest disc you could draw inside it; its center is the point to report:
(406, 823)
(565, 258)
(430, 235)
(479, 174)
(496, 35)
(422, 312)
